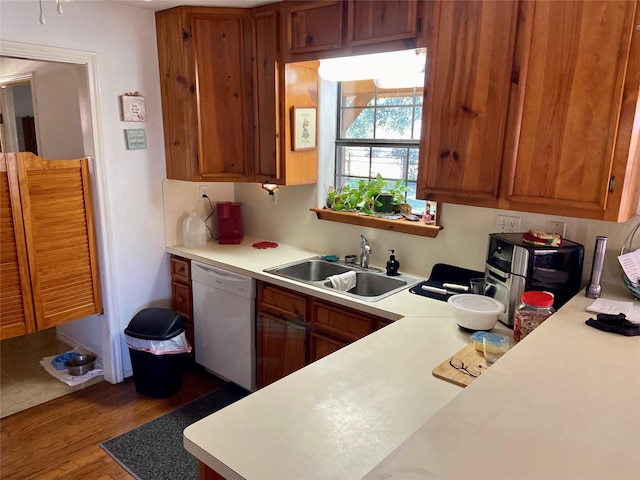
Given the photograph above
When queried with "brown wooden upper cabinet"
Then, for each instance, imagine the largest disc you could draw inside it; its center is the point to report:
(207, 106)
(325, 29)
(277, 88)
(533, 106)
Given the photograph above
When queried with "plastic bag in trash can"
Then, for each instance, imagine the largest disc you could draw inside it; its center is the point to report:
(177, 344)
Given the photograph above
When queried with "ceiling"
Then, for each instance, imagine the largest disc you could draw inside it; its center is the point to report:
(156, 5)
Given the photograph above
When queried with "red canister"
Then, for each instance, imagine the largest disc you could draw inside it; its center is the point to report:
(535, 308)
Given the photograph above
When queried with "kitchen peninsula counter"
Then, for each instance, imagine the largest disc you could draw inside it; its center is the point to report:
(562, 403)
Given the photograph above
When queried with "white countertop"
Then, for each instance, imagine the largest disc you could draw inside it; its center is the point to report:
(565, 403)
(374, 409)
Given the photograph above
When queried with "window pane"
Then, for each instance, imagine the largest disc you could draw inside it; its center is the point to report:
(357, 123)
(389, 162)
(394, 122)
(417, 123)
(412, 171)
(353, 161)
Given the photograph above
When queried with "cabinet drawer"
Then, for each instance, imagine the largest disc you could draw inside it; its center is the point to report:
(283, 302)
(180, 269)
(341, 322)
(181, 299)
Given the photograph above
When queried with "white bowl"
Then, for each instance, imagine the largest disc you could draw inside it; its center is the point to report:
(475, 312)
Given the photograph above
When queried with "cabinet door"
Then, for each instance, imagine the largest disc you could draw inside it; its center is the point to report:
(222, 55)
(466, 100)
(339, 322)
(267, 94)
(205, 72)
(374, 21)
(572, 151)
(313, 26)
(322, 345)
(16, 300)
(281, 348)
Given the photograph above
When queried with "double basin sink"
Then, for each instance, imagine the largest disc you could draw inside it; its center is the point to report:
(372, 284)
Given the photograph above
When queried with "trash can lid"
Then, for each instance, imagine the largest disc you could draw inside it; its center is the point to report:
(155, 324)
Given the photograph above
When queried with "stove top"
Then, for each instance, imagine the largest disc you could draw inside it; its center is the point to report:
(445, 281)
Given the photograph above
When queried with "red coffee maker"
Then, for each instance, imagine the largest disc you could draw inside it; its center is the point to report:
(229, 222)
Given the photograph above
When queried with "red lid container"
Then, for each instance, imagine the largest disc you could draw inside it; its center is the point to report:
(537, 299)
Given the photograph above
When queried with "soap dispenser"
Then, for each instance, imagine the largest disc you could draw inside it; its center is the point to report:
(392, 265)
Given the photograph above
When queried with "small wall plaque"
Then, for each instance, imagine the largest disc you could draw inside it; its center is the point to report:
(136, 138)
(132, 107)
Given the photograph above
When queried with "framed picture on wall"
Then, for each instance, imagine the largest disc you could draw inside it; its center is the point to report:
(303, 128)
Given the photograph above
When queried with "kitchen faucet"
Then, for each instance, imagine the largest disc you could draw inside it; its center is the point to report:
(365, 251)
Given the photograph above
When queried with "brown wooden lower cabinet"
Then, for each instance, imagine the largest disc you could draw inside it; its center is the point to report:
(207, 473)
(282, 348)
(294, 329)
(322, 345)
(182, 295)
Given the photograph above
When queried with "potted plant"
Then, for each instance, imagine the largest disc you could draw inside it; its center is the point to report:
(381, 197)
(345, 199)
(369, 196)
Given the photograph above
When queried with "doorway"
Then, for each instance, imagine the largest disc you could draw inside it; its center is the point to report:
(92, 332)
(18, 127)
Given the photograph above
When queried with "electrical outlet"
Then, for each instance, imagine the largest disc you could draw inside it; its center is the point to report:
(556, 227)
(202, 190)
(507, 224)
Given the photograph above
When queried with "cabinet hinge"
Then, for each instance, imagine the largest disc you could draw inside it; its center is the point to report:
(419, 24)
(612, 184)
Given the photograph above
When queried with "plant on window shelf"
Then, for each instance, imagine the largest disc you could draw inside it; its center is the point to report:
(369, 197)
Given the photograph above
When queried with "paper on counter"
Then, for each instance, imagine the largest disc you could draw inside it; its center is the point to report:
(630, 263)
(601, 305)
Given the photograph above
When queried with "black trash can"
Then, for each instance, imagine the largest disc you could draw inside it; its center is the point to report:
(158, 348)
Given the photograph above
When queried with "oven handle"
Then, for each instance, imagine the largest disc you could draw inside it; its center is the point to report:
(502, 276)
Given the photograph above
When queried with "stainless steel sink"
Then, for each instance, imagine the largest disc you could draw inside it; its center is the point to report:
(372, 284)
(312, 270)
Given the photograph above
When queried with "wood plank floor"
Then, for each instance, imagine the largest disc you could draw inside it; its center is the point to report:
(60, 439)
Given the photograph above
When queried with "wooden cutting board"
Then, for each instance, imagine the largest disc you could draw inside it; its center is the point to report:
(469, 356)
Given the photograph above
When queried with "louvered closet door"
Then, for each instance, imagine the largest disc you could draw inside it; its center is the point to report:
(16, 307)
(58, 219)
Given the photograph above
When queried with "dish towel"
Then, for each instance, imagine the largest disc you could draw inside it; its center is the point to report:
(614, 324)
(344, 281)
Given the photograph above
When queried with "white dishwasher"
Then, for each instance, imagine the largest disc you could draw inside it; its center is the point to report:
(224, 322)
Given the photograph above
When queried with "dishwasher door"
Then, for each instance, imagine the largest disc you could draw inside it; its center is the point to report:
(224, 322)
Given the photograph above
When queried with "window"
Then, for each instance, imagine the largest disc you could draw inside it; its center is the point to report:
(379, 132)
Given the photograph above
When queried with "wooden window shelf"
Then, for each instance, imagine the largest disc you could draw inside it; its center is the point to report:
(400, 225)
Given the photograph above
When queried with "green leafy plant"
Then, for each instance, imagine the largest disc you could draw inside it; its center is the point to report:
(365, 195)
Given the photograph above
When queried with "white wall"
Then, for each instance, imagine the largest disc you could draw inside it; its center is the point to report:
(58, 111)
(462, 242)
(123, 39)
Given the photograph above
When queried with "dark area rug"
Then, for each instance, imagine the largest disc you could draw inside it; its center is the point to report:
(154, 451)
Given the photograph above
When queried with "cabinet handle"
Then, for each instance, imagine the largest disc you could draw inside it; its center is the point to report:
(419, 24)
(612, 184)
(444, 154)
(456, 156)
(308, 40)
(515, 76)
